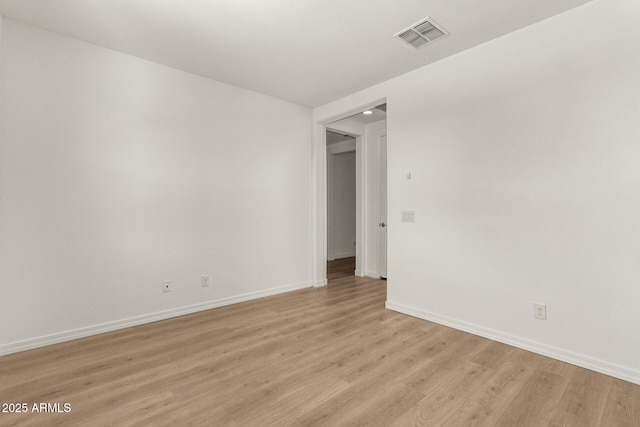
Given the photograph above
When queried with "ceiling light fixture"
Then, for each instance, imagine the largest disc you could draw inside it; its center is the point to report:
(366, 113)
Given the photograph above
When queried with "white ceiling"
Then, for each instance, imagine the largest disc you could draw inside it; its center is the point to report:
(334, 138)
(375, 116)
(308, 52)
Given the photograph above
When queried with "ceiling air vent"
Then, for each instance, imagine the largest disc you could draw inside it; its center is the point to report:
(422, 33)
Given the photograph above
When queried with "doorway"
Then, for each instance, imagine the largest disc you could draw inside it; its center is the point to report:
(367, 130)
(341, 204)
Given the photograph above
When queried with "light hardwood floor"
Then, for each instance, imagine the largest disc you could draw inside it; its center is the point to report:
(330, 356)
(339, 268)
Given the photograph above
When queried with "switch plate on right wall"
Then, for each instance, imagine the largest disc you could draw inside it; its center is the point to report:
(408, 216)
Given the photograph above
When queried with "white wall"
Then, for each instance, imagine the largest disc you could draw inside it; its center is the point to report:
(117, 173)
(524, 157)
(342, 205)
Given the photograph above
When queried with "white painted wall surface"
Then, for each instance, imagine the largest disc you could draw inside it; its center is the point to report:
(524, 158)
(117, 173)
(342, 205)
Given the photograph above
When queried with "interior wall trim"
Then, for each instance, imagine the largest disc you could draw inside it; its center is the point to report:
(60, 337)
(563, 355)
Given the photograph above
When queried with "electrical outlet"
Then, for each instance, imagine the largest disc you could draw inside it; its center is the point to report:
(166, 286)
(540, 311)
(205, 281)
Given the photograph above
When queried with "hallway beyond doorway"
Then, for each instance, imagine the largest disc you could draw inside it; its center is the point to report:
(340, 268)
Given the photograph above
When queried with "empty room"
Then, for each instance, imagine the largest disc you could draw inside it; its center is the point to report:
(331, 213)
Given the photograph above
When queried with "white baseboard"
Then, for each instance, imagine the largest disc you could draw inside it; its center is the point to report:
(320, 283)
(372, 274)
(344, 255)
(56, 338)
(573, 358)
(359, 273)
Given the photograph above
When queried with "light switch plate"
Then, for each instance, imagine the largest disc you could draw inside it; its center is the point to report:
(408, 216)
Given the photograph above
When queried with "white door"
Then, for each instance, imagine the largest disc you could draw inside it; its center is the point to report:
(383, 207)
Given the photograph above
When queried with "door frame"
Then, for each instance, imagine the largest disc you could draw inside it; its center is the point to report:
(383, 189)
(318, 194)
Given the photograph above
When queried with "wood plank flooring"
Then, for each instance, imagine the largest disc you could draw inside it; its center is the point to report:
(340, 268)
(318, 357)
